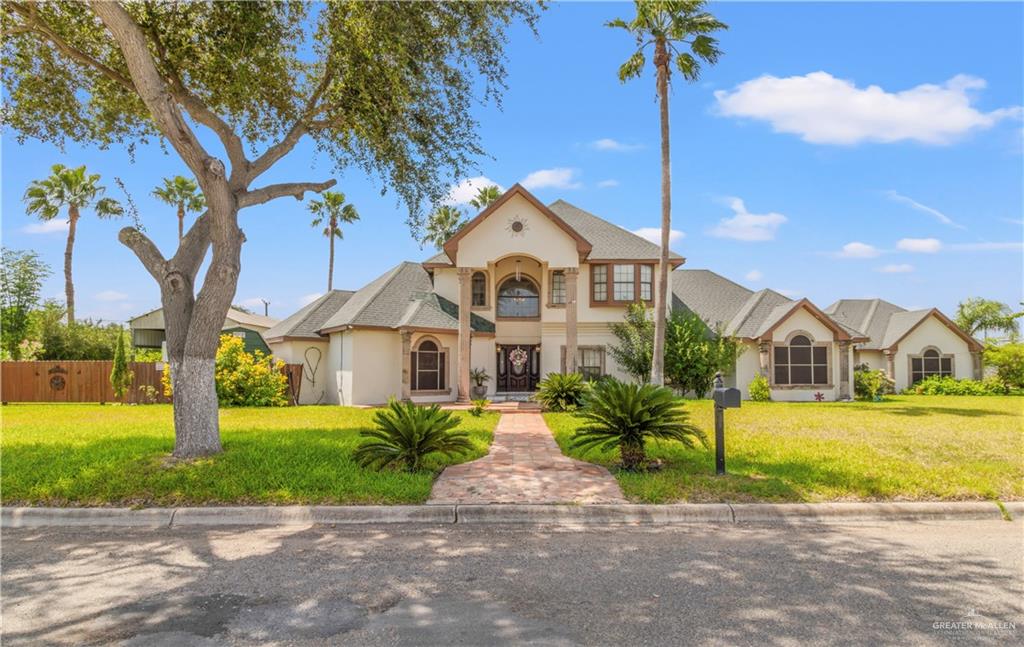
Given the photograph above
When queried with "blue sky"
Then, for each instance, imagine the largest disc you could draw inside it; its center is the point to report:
(836, 151)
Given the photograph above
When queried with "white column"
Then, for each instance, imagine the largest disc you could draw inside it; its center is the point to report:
(465, 301)
(571, 309)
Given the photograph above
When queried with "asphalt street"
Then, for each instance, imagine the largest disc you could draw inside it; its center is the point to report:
(881, 583)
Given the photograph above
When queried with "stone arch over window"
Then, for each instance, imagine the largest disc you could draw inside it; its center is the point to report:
(428, 368)
(931, 362)
(799, 361)
(518, 298)
(479, 289)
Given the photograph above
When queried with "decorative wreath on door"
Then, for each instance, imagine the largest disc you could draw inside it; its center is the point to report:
(518, 357)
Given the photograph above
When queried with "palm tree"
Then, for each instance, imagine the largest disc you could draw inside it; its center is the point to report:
(624, 416)
(183, 193)
(485, 195)
(332, 210)
(681, 28)
(442, 225)
(71, 188)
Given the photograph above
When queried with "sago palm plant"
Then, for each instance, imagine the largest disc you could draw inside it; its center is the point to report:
(626, 416)
(562, 391)
(406, 433)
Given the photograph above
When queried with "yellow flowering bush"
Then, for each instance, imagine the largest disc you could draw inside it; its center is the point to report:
(243, 379)
(248, 379)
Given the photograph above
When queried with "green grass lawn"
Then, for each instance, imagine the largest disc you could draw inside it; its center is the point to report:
(83, 455)
(907, 448)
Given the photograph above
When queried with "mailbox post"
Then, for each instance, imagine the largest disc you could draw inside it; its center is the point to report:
(724, 399)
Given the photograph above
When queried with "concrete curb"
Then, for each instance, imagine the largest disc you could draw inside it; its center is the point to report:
(559, 514)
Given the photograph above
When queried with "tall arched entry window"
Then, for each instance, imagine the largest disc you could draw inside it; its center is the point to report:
(518, 298)
(429, 366)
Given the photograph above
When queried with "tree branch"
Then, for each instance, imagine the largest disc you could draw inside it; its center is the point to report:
(146, 251)
(272, 191)
(192, 249)
(153, 90)
(294, 134)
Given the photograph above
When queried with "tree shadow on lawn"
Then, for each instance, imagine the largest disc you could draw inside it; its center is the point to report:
(772, 585)
(262, 466)
(949, 411)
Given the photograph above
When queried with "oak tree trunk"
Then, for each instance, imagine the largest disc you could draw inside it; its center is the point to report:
(661, 62)
(69, 284)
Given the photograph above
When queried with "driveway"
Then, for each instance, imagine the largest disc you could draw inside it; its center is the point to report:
(907, 583)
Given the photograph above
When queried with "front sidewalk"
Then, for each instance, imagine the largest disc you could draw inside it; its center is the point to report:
(525, 465)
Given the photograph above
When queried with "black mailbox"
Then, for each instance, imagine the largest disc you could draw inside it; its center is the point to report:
(726, 398)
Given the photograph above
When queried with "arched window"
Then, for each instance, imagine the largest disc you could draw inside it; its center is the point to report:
(479, 284)
(801, 362)
(428, 367)
(930, 362)
(518, 298)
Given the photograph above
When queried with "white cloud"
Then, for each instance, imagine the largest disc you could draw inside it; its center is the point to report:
(653, 234)
(987, 247)
(307, 299)
(858, 250)
(465, 190)
(607, 184)
(54, 226)
(1013, 221)
(825, 110)
(754, 275)
(552, 178)
(919, 245)
(914, 204)
(611, 145)
(111, 295)
(747, 226)
(896, 268)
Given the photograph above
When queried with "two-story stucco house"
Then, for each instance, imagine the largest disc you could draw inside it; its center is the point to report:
(526, 289)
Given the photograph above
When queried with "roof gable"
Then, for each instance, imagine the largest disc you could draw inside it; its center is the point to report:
(608, 240)
(306, 323)
(451, 246)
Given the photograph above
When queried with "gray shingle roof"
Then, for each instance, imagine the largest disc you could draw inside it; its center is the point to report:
(402, 296)
(609, 241)
(764, 308)
(870, 316)
(900, 324)
(710, 296)
(305, 323)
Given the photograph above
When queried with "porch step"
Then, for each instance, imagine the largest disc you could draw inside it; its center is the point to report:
(512, 396)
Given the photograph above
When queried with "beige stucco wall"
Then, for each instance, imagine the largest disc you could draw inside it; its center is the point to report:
(748, 365)
(339, 368)
(541, 239)
(875, 359)
(313, 355)
(932, 333)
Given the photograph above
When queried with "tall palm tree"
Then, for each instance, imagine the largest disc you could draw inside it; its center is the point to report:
(183, 193)
(442, 224)
(679, 28)
(330, 211)
(74, 189)
(485, 195)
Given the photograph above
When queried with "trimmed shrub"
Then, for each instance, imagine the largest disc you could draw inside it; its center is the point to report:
(478, 407)
(870, 384)
(936, 385)
(1008, 361)
(624, 416)
(405, 433)
(562, 391)
(759, 389)
(248, 380)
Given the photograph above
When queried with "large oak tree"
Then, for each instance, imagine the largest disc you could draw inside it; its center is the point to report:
(384, 86)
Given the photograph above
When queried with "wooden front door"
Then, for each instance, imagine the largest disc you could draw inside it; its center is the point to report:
(518, 367)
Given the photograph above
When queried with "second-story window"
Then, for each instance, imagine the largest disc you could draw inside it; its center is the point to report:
(518, 298)
(600, 277)
(622, 289)
(558, 287)
(479, 285)
(646, 282)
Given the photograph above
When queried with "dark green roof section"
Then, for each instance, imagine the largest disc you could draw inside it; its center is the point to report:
(251, 339)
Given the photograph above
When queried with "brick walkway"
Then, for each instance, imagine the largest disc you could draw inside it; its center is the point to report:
(525, 466)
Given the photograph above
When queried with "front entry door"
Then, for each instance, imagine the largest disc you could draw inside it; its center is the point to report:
(518, 367)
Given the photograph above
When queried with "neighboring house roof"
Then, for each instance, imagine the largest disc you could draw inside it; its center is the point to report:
(401, 297)
(235, 315)
(596, 238)
(306, 323)
(886, 324)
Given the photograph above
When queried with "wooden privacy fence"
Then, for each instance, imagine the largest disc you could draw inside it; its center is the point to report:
(89, 381)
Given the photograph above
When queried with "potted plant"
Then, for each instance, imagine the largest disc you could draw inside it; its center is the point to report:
(480, 379)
